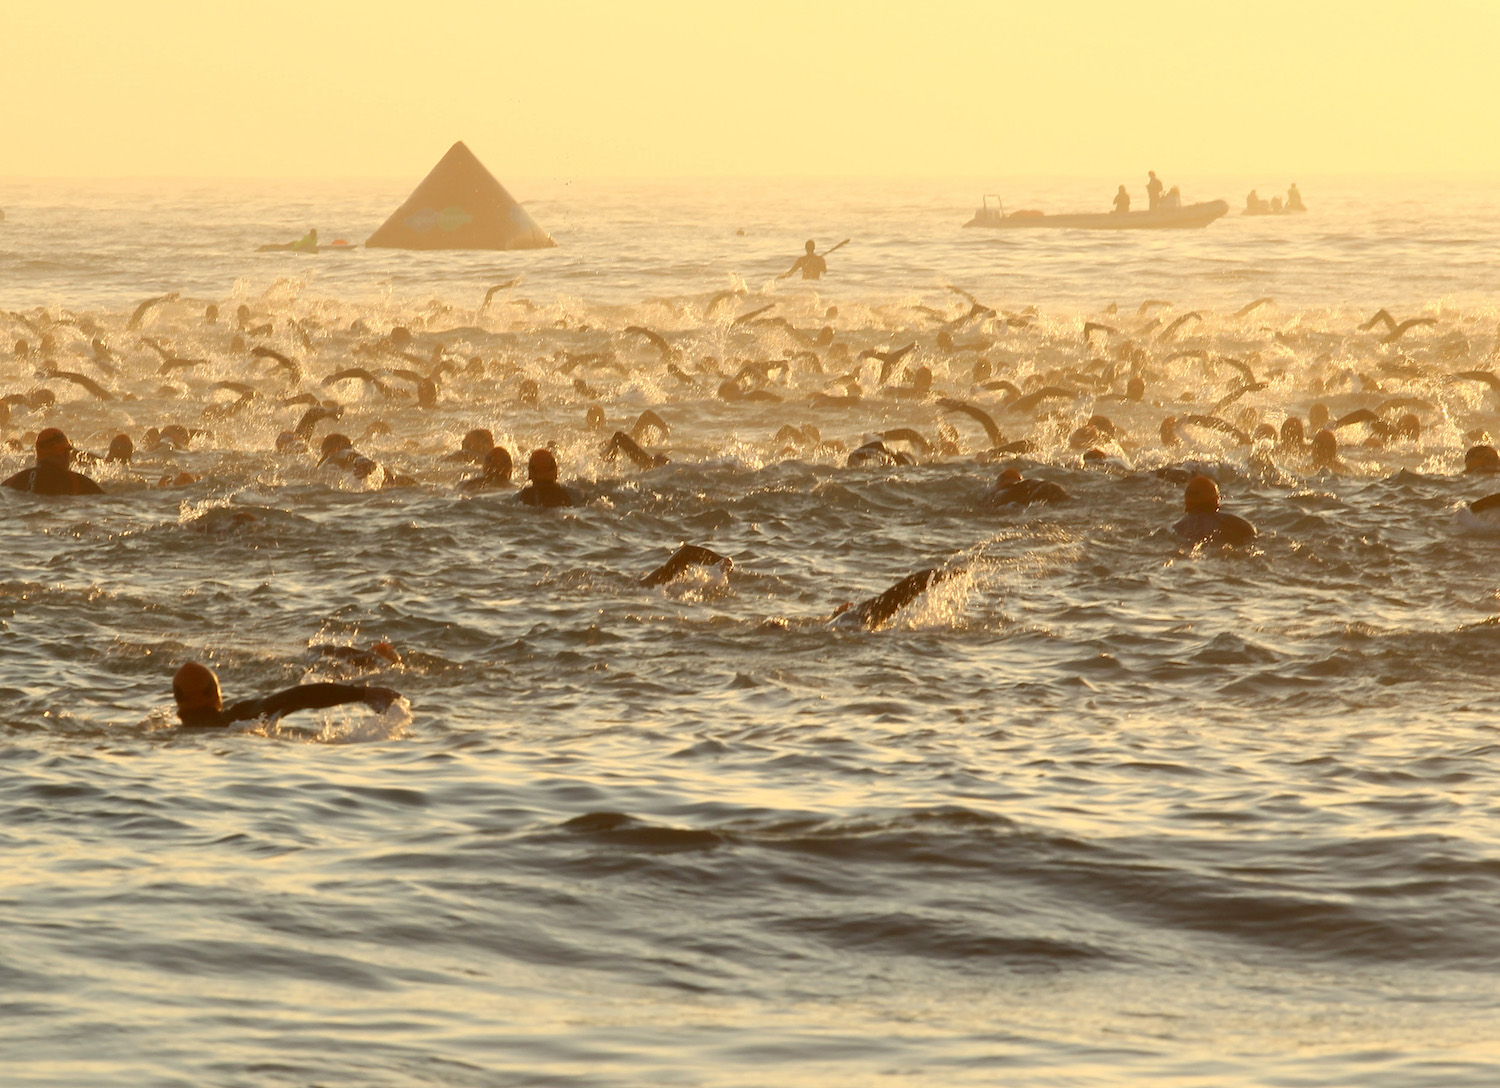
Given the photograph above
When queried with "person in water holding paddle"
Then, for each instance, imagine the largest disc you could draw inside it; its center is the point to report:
(200, 703)
(812, 265)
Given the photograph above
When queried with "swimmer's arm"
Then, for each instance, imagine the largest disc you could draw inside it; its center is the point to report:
(689, 555)
(319, 696)
(877, 610)
(1489, 502)
(798, 263)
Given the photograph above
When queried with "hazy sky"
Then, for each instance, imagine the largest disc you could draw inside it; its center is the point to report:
(377, 88)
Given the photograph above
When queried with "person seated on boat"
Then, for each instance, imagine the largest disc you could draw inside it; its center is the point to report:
(1153, 190)
(1294, 199)
(811, 264)
(1276, 205)
(1253, 202)
(1202, 523)
(1173, 199)
(1122, 201)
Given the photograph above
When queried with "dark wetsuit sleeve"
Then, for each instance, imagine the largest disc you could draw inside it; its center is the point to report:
(308, 697)
(877, 610)
(82, 485)
(688, 555)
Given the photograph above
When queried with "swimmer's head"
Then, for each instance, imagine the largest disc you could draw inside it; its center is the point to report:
(1318, 416)
(1409, 427)
(593, 419)
(479, 441)
(195, 687)
(1482, 459)
(1135, 389)
(400, 337)
(1293, 434)
(121, 448)
(332, 444)
(1169, 432)
(211, 314)
(1009, 477)
(542, 467)
(497, 463)
(1201, 496)
(53, 445)
(811, 245)
(387, 651)
(1325, 448)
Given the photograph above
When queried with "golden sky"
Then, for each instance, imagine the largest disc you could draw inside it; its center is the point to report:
(552, 88)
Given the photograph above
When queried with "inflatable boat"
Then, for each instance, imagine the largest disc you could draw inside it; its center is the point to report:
(1189, 215)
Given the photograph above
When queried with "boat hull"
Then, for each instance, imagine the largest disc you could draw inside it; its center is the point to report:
(1184, 218)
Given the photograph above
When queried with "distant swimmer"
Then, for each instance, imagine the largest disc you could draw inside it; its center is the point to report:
(475, 446)
(874, 453)
(877, 611)
(1203, 523)
(810, 263)
(1481, 460)
(544, 490)
(1294, 199)
(51, 476)
(200, 703)
(683, 559)
(308, 243)
(494, 472)
(1122, 201)
(1325, 451)
(1011, 489)
(121, 449)
(1153, 190)
(623, 443)
(380, 655)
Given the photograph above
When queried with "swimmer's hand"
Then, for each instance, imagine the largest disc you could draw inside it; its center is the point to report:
(379, 699)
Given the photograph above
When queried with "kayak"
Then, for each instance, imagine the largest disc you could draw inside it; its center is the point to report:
(1189, 215)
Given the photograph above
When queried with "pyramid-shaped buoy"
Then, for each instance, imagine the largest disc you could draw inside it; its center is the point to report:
(460, 205)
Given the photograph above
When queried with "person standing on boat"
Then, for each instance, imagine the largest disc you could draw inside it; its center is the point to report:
(1153, 189)
(1122, 201)
(811, 264)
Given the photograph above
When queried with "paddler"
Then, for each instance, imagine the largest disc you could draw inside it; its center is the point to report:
(811, 264)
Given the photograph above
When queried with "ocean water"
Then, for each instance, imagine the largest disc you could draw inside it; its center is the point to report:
(1097, 810)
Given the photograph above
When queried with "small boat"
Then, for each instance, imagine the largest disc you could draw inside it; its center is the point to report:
(1273, 211)
(1189, 215)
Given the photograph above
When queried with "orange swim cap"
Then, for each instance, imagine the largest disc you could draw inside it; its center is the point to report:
(1201, 496)
(52, 442)
(542, 466)
(1010, 476)
(195, 687)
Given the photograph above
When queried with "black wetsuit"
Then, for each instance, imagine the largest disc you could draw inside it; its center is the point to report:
(877, 610)
(545, 493)
(689, 555)
(1026, 492)
(302, 697)
(48, 478)
(1214, 528)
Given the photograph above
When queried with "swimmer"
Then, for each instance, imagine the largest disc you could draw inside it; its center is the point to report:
(544, 490)
(1203, 523)
(494, 472)
(121, 448)
(51, 476)
(689, 555)
(1481, 460)
(1011, 489)
(623, 443)
(1325, 451)
(200, 703)
(475, 446)
(380, 655)
(876, 454)
(876, 611)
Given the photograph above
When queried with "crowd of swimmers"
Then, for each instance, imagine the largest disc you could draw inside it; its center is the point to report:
(1202, 522)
